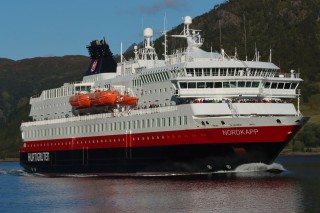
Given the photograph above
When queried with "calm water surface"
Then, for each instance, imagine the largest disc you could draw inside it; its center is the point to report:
(297, 189)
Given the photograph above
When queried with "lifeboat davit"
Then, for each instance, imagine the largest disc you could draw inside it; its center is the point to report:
(126, 100)
(101, 98)
(80, 100)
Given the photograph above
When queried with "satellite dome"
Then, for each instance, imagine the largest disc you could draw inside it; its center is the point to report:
(187, 20)
(148, 32)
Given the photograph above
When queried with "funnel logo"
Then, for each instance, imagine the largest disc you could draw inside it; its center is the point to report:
(94, 65)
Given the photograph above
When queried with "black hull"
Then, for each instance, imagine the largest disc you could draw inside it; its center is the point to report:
(168, 159)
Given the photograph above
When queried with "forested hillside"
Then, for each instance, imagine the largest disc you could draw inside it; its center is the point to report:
(290, 28)
(21, 79)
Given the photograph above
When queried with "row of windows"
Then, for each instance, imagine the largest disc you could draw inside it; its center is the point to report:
(59, 92)
(154, 77)
(109, 140)
(230, 72)
(136, 82)
(237, 84)
(114, 126)
(50, 106)
(280, 85)
(223, 84)
(83, 88)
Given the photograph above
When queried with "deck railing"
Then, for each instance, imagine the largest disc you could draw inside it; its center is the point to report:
(102, 116)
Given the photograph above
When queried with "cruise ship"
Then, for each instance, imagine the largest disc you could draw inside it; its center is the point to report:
(190, 111)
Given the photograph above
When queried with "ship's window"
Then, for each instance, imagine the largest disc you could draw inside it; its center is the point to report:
(232, 71)
(167, 75)
(143, 123)
(163, 76)
(153, 77)
(209, 84)
(174, 121)
(185, 120)
(218, 85)
(233, 84)
(201, 85)
(274, 85)
(189, 71)
(280, 85)
(198, 71)
(226, 84)
(206, 71)
(163, 122)
(293, 85)
(267, 85)
(287, 86)
(248, 84)
(223, 71)
(255, 84)
(158, 122)
(241, 84)
(215, 71)
(183, 85)
(148, 123)
(192, 85)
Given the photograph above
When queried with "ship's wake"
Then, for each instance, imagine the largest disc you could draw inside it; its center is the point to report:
(253, 170)
(244, 170)
(258, 167)
(14, 172)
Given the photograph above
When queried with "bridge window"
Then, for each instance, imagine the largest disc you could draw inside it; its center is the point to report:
(255, 84)
(233, 84)
(293, 85)
(192, 85)
(274, 85)
(209, 84)
(280, 85)
(241, 83)
(248, 84)
(218, 85)
(287, 86)
(226, 84)
(201, 85)
(267, 85)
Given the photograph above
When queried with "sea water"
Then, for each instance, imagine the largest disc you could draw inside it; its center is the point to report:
(291, 184)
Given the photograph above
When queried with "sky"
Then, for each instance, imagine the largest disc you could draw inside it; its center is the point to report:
(42, 28)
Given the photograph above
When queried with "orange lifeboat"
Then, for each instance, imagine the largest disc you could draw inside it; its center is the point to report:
(80, 100)
(127, 100)
(100, 98)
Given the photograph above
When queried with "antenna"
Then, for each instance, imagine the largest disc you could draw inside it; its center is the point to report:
(220, 35)
(270, 56)
(164, 32)
(121, 52)
(245, 36)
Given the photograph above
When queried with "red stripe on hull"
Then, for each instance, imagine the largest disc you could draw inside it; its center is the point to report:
(280, 134)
